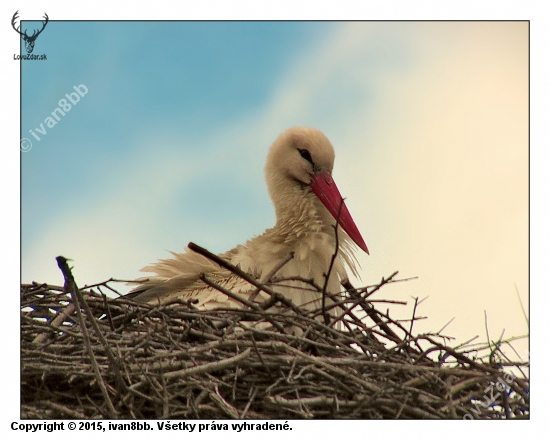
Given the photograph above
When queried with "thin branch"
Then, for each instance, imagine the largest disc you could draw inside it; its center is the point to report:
(373, 314)
(521, 304)
(331, 264)
(271, 274)
(208, 368)
(413, 315)
(71, 287)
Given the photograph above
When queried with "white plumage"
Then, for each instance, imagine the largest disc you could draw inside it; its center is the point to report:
(306, 200)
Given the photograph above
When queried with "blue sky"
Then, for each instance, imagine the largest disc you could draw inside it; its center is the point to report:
(146, 80)
(429, 122)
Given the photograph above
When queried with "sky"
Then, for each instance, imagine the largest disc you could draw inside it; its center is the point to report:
(166, 142)
(429, 121)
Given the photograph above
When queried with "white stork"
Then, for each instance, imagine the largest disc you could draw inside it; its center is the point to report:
(307, 202)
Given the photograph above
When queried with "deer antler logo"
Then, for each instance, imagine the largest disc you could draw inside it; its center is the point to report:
(29, 40)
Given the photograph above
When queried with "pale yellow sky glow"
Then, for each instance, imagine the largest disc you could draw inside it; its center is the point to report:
(447, 185)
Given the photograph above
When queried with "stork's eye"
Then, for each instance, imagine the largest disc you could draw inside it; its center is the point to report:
(305, 154)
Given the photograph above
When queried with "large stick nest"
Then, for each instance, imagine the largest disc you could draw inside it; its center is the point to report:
(85, 355)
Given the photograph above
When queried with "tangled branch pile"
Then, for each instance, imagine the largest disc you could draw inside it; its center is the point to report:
(87, 356)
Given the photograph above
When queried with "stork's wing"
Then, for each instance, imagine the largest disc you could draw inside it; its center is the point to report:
(179, 278)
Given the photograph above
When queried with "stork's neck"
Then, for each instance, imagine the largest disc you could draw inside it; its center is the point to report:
(299, 211)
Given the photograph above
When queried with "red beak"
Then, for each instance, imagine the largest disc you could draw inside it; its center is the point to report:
(326, 190)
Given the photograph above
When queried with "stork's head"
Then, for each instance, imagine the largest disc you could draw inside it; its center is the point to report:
(300, 163)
